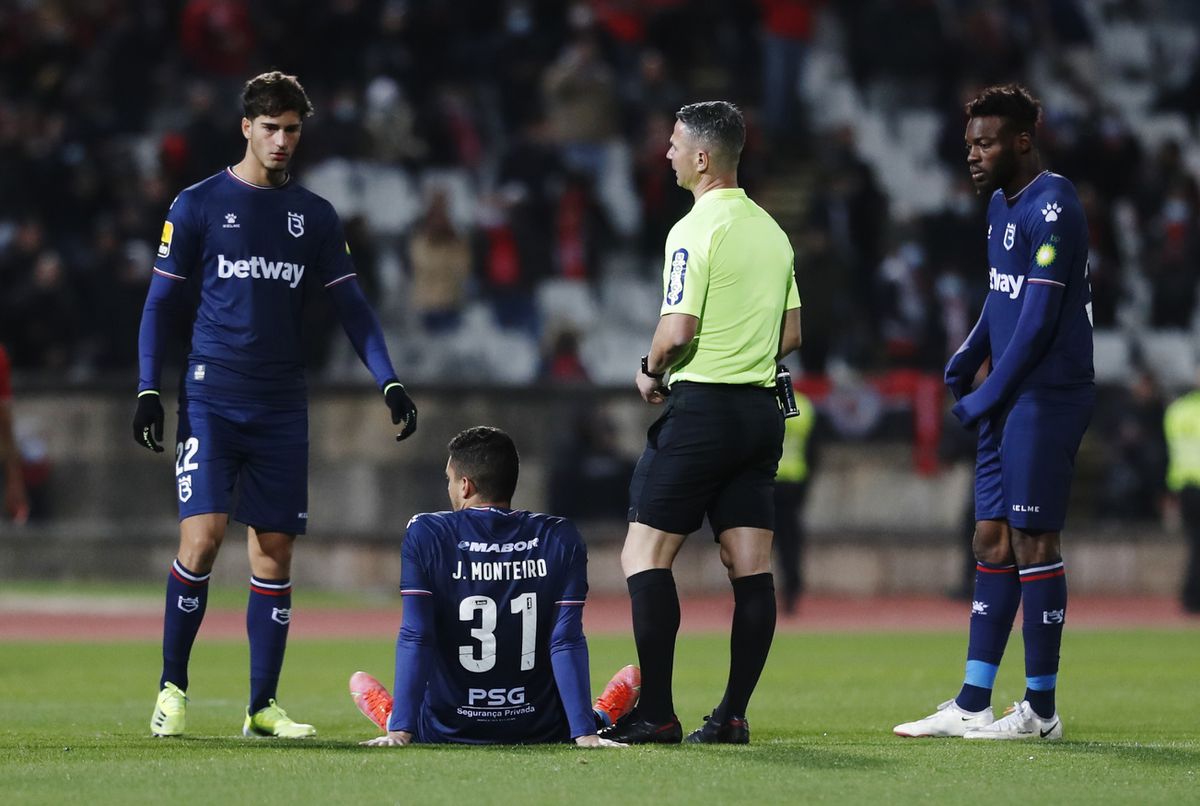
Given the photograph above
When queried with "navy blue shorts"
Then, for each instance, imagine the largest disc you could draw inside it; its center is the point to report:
(1025, 462)
(714, 452)
(251, 454)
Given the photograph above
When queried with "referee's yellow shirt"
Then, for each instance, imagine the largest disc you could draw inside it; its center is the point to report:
(730, 265)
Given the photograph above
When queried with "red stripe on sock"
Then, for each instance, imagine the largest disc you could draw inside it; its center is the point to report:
(269, 592)
(186, 581)
(985, 570)
(1060, 572)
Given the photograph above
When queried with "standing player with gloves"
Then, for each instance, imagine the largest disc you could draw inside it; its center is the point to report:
(239, 253)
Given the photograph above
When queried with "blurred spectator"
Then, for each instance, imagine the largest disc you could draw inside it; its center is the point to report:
(911, 326)
(580, 96)
(562, 363)
(218, 36)
(590, 477)
(1130, 430)
(15, 500)
(440, 261)
(45, 317)
(1172, 254)
(787, 28)
(851, 209)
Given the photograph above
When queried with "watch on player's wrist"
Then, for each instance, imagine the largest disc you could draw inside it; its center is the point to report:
(658, 376)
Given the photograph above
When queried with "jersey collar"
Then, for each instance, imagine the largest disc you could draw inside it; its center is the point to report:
(722, 193)
(1017, 195)
(236, 178)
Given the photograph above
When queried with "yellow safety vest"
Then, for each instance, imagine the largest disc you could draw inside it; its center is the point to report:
(1181, 426)
(793, 465)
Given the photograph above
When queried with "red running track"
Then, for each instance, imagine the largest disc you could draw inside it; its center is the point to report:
(85, 620)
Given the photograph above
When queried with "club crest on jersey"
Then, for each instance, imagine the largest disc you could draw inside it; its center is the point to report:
(164, 243)
(678, 273)
(1010, 236)
(295, 223)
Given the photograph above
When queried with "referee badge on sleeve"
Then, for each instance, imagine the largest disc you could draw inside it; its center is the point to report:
(678, 272)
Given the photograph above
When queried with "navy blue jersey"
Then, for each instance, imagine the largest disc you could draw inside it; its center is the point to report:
(251, 254)
(1041, 237)
(497, 579)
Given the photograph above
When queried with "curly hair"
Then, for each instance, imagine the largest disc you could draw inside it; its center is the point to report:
(1012, 102)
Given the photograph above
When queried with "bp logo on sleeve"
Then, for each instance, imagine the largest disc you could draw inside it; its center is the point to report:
(678, 273)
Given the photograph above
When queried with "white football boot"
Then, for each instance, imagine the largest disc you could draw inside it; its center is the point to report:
(1019, 722)
(947, 720)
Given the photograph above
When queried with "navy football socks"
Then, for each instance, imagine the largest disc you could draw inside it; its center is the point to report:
(654, 601)
(993, 611)
(268, 614)
(187, 597)
(1044, 590)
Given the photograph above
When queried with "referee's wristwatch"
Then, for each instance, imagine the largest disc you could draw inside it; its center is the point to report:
(658, 376)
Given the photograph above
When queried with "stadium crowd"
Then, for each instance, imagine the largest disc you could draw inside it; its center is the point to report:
(480, 150)
(500, 165)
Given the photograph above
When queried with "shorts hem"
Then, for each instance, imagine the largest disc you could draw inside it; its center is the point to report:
(639, 520)
(213, 511)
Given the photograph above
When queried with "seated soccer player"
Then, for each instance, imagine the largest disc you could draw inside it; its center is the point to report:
(491, 648)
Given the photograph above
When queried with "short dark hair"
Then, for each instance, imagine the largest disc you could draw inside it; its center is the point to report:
(272, 94)
(488, 457)
(717, 124)
(1009, 101)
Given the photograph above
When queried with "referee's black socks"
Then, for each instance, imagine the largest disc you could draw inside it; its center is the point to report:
(749, 640)
(655, 605)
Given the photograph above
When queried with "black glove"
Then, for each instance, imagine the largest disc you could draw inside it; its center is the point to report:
(402, 407)
(148, 421)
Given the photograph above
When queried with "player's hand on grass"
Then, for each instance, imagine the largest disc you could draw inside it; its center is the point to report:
(393, 738)
(148, 421)
(402, 408)
(592, 740)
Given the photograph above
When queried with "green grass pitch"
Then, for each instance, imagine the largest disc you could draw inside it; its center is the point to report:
(74, 729)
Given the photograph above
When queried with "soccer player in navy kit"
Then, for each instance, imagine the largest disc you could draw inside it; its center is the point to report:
(240, 252)
(1031, 412)
(491, 649)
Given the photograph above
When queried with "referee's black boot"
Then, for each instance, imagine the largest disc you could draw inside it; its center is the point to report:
(632, 729)
(734, 730)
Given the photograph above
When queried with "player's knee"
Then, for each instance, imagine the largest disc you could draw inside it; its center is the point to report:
(991, 543)
(1034, 548)
(198, 554)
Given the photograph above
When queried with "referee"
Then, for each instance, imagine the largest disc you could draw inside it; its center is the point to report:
(730, 311)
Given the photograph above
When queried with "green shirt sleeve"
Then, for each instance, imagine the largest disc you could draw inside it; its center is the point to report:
(793, 293)
(685, 275)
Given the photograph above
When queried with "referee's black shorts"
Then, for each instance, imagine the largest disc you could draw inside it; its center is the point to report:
(714, 451)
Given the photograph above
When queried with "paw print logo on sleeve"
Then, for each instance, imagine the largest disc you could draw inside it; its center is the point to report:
(1050, 212)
